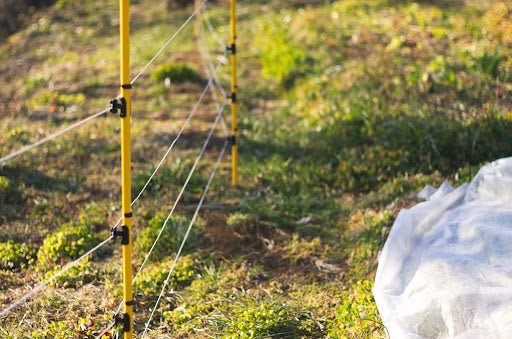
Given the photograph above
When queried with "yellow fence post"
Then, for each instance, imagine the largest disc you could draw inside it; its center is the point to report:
(126, 167)
(234, 131)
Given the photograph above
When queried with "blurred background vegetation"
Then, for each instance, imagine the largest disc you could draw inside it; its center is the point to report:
(14, 14)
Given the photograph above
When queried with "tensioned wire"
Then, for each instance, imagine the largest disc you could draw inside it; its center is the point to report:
(71, 264)
(108, 328)
(53, 277)
(77, 124)
(213, 77)
(51, 137)
(207, 141)
(210, 27)
(220, 110)
(219, 114)
(216, 83)
(210, 81)
(178, 198)
(199, 205)
(81, 122)
(191, 114)
(202, 46)
(206, 57)
(168, 41)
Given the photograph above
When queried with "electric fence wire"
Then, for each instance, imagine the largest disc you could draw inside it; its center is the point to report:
(214, 84)
(51, 137)
(219, 113)
(206, 55)
(169, 41)
(207, 141)
(53, 277)
(191, 114)
(198, 208)
(206, 58)
(210, 81)
(108, 328)
(178, 198)
(210, 27)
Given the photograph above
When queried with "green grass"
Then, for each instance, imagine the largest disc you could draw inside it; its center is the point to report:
(347, 109)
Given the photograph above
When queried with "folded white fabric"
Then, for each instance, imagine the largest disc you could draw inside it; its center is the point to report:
(446, 268)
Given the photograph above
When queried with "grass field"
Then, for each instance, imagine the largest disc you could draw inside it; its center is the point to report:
(347, 109)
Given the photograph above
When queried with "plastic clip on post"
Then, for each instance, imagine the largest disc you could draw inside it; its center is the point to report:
(124, 234)
(232, 140)
(232, 48)
(116, 105)
(232, 96)
(123, 320)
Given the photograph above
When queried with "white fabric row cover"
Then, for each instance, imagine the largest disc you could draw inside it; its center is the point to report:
(446, 268)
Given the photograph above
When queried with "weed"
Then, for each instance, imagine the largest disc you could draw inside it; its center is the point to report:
(282, 60)
(152, 277)
(239, 219)
(300, 249)
(59, 329)
(80, 274)
(497, 22)
(169, 239)
(13, 256)
(177, 72)
(357, 316)
(57, 99)
(64, 330)
(9, 192)
(187, 317)
(489, 63)
(256, 320)
(65, 3)
(31, 84)
(67, 243)
(17, 134)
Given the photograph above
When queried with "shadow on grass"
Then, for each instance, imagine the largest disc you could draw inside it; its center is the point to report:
(447, 4)
(366, 151)
(37, 180)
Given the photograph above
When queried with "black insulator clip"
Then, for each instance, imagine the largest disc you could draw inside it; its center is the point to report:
(231, 48)
(123, 320)
(232, 140)
(232, 96)
(118, 105)
(124, 233)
